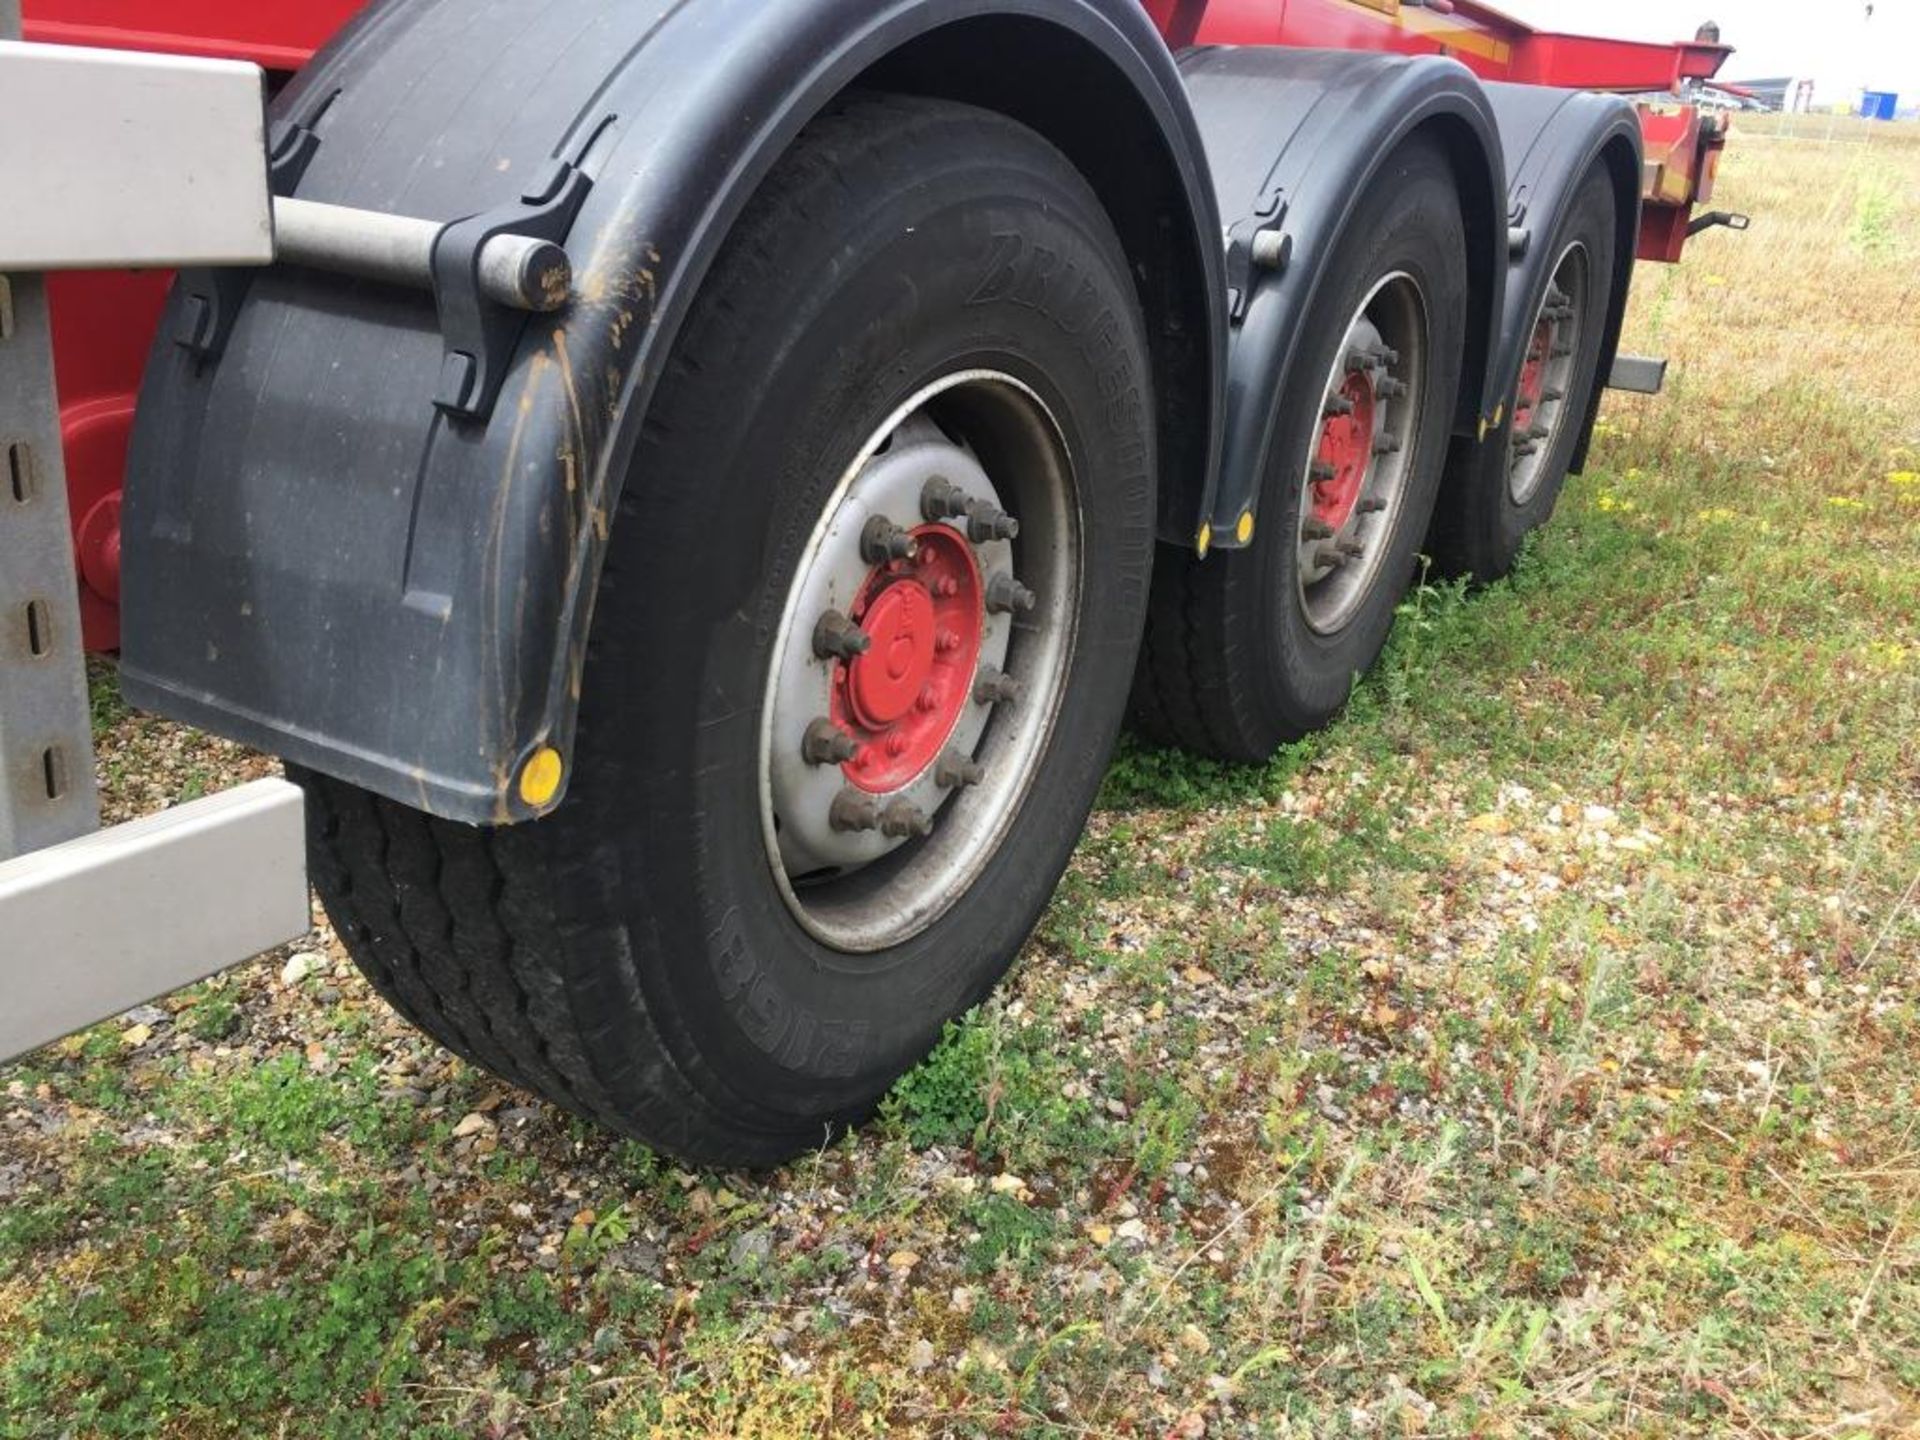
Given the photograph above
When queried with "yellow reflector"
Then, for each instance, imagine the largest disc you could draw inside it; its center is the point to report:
(1244, 530)
(540, 780)
(1204, 541)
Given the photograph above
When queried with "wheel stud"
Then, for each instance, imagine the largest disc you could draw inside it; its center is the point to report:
(902, 818)
(897, 744)
(827, 744)
(1371, 507)
(853, 811)
(956, 771)
(989, 522)
(882, 540)
(1338, 405)
(838, 638)
(1387, 445)
(1006, 595)
(1320, 472)
(946, 587)
(1316, 530)
(1352, 549)
(1328, 558)
(1526, 447)
(947, 641)
(942, 500)
(1391, 389)
(929, 700)
(994, 688)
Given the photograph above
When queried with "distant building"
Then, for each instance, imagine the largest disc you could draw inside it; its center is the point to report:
(1771, 94)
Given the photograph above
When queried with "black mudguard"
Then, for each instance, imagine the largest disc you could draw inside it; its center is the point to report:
(1294, 138)
(1554, 139)
(325, 562)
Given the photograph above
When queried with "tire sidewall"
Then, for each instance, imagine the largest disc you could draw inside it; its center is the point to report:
(921, 285)
(1413, 226)
(1500, 525)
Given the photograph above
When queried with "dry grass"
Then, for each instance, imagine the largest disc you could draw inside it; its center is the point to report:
(1535, 1053)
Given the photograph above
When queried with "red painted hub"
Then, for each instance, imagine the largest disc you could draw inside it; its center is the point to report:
(902, 698)
(1346, 448)
(1533, 377)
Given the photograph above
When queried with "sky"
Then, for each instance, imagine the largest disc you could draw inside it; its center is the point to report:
(1832, 42)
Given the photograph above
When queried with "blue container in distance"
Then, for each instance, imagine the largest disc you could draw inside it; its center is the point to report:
(1879, 105)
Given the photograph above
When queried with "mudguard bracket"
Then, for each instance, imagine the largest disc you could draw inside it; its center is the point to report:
(481, 333)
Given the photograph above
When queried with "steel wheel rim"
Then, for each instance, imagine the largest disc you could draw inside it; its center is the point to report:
(1542, 404)
(862, 890)
(1353, 490)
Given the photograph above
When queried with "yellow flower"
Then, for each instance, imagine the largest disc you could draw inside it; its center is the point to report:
(1905, 479)
(1846, 502)
(1717, 515)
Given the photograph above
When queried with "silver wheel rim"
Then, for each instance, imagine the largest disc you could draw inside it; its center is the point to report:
(1542, 403)
(861, 890)
(1343, 544)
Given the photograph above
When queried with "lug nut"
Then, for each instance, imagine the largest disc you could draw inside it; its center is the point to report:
(1352, 549)
(947, 641)
(1391, 389)
(989, 522)
(928, 701)
(1328, 558)
(994, 688)
(1320, 472)
(897, 744)
(1387, 356)
(1371, 507)
(1316, 530)
(1526, 447)
(838, 638)
(956, 771)
(882, 540)
(1006, 595)
(902, 818)
(1338, 405)
(946, 587)
(941, 499)
(1552, 396)
(827, 744)
(853, 811)
(1539, 432)
(1387, 445)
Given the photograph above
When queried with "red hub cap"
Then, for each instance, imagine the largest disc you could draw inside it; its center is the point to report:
(901, 699)
(1346, 453)
(1533, 377)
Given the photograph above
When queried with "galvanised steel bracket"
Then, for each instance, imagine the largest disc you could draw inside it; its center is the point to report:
(46, 743)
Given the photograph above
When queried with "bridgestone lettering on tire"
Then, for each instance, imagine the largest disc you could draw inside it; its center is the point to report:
(749, 918)
(1251, 648)
(1498, 493)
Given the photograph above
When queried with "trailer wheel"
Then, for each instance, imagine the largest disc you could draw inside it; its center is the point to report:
(1500, 492)
(860, 653)
(1252, 648)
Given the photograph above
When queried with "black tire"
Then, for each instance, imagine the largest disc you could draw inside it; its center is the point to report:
(631, 957)
(1232, 667)
(1481, 524)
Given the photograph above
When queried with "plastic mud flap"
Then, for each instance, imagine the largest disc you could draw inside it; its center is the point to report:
(365, 526)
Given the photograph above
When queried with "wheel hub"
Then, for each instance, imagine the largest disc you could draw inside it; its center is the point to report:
(901, 699)
(1346, 452)
(921, 661)
(1542, 403)
(1351, 498)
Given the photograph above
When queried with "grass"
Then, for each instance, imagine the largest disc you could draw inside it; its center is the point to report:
(1532, 1054)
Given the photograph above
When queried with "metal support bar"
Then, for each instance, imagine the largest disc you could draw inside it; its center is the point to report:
(96, 926)
(1638, 374)
(46, 740)
(517, 271)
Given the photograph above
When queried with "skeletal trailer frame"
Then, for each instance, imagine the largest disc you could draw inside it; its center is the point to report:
(92, 922)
